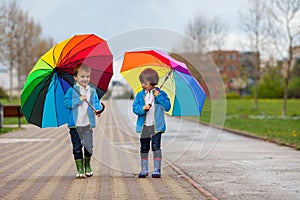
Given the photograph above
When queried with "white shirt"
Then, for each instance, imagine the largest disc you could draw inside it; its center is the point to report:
(149, 99)
(82, 118)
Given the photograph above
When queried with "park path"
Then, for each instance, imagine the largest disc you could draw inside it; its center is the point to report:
(200, 162)
(38, 164)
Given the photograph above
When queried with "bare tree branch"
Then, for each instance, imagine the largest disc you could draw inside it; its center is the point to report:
(209, 34)
(20, 41)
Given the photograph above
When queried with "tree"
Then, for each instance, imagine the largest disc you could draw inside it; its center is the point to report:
(284, 17)
(254, 23)
(20, 41)
(209, 34)
(9, 29)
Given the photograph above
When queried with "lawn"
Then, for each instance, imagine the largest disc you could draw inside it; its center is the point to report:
(265, 121)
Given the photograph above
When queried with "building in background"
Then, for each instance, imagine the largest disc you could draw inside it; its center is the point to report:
(229, 65)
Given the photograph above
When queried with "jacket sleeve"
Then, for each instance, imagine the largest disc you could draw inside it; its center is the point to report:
(71, 101)
(95, 101)
(163, 100)
(138, 104)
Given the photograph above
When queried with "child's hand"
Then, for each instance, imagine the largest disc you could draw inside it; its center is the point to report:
(83, 98)
(98, 113)
(156, 92)
(147, 107)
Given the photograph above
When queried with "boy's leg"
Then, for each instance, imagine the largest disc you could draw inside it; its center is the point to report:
(88, 151)
(144, 151)
(87, 141)
(77, 152)
(157, 155)
(76, 142)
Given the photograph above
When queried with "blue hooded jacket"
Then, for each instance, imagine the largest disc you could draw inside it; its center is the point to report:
(72, 101)
(162, 104)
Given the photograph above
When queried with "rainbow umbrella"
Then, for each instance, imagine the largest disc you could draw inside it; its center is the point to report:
(186, 94)
(43, 93)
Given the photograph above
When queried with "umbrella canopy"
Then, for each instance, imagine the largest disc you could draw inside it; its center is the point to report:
(186, 94)
(43, 93)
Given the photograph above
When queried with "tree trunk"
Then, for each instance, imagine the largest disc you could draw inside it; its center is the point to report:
(285, 96)
(256, 78)
(286, 80)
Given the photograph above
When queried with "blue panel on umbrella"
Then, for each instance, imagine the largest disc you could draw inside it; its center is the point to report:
(61, 111)
(49, 116)
(66, 81)
(199, 94)
(185, 103)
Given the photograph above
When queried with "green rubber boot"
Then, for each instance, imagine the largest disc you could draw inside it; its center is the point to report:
(79, 166)
(87, 167)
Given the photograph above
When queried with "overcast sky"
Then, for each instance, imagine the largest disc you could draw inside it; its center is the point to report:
(61, 19)
(118, 20)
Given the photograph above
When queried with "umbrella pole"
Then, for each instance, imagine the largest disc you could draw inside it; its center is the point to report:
(167, 77)
(85, 100)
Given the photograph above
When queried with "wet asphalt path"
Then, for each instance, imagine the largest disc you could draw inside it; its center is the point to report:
(227, 165)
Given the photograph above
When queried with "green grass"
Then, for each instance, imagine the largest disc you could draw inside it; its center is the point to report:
(265, 121)
(14, 101)
(7, 130)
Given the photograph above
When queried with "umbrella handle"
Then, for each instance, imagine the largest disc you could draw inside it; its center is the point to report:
(96, 111)
(103, 108)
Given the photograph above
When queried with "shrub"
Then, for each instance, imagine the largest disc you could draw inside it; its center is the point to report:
(294, 87)
(232, 95)
(3, 93)
(271, 85)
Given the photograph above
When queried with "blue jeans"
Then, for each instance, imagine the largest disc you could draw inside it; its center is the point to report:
(148, 135)
(78, 144)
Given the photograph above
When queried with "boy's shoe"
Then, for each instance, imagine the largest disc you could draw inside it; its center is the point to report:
(156, 173)
(144, 172)
(78, 175)
(157, 166)
(87, 167)
(79, 166)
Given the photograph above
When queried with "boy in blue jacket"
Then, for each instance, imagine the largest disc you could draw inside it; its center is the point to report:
(82, 118)
(150, 105)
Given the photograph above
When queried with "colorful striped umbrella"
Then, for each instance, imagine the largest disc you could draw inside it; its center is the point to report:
(43, 93)
(186, 94)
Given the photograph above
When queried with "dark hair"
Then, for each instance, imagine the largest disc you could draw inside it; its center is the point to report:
(81, 66)
(149, 75)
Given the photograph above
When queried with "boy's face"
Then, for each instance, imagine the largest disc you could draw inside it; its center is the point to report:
(147, 86)
(83, 77)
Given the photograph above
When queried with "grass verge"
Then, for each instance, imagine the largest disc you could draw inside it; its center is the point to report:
(265, 122)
